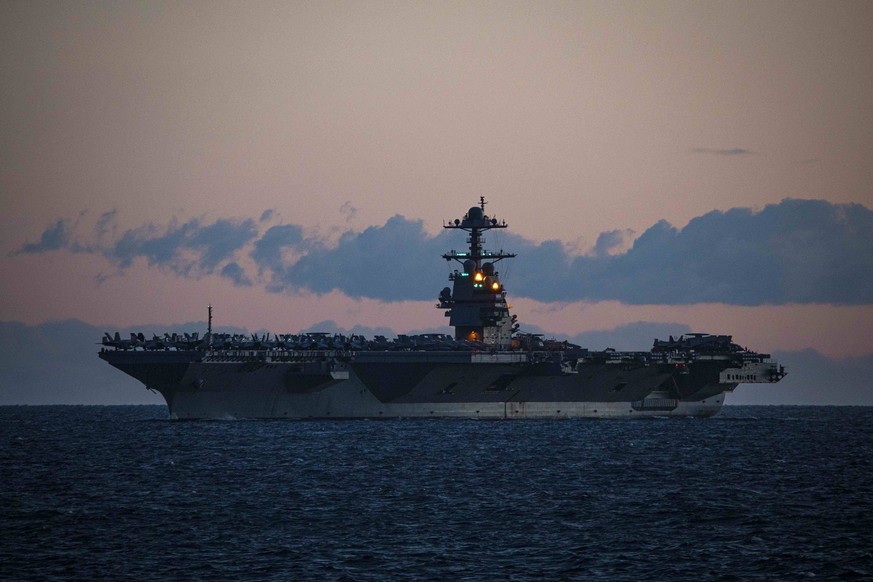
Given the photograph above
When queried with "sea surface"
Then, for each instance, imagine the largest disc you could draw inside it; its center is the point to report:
(115, 493)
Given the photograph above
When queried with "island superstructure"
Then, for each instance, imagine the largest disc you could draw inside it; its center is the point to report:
(487, 369)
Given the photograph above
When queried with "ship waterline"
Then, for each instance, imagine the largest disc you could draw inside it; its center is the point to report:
(488, 369)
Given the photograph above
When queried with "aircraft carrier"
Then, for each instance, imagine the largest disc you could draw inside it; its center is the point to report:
(487, 369)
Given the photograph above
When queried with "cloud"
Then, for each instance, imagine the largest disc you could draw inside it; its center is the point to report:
(722, 152)
(220, 240)
(269, 249)
(55, 237)
(393, 262)
(797, 251)
(188, 249)
(236, 274)
(611, 241)
(106, 223)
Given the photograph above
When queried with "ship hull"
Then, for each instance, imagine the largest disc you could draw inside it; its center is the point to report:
(348, 402)
(416, 385)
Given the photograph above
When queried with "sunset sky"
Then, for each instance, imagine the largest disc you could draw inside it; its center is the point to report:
(707, 165)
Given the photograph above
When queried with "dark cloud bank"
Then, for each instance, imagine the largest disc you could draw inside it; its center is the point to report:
(797, 251)
(57, 363)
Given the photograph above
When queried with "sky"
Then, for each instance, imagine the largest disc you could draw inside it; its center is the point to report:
(701, 165)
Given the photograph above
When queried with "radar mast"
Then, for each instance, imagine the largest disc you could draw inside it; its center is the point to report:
(476, 303)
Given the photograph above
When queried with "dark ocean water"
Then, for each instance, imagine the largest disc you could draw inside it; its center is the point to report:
(122, 493)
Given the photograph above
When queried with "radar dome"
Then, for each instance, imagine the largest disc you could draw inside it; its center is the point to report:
(469, 266)
(488, 269)
(475, 213)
